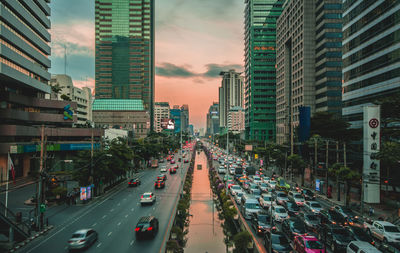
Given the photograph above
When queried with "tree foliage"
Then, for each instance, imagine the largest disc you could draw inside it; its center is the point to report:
(329, 126)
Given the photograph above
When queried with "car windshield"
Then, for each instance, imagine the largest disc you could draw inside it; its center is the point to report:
(293, 206)
(314, 245)
(252, 206)
(359, 232)
(279, 239)
(263, 218)
(312, 217)
(298, 196)
(235, 187)
(316, 205)
(282, 195)
(343, 232)
(280, 210)
(267, 198)
(263, 184)
(392, 229)
(239, 194)
(78, 235)
(146, 195)
(272, 182)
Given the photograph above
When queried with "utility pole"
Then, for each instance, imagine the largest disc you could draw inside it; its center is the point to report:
(337, 152)
(91, 163)
(227, 140)
(326, 165)
(344, 155)
(315, 153)
(39, 199)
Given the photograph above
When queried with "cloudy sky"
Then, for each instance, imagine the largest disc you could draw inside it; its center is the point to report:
(195, 40)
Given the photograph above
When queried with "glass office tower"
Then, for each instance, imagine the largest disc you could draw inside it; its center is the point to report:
(125, 51)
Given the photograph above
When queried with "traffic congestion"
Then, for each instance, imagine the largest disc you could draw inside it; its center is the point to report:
(285, 217)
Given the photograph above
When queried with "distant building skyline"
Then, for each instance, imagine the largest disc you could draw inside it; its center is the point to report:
(230, 94)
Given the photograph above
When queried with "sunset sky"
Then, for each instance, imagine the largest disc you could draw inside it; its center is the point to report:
(195, 40)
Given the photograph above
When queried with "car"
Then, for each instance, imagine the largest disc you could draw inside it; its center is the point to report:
(361, 247)
(360, 235)
(252, 186)
(232, 170)
(330, 216)
(147, 198)
(334, 236)
(221, 170)
(186, 160)
(308, 194)
(272, 184)
(261, 222)
(292, 227)
(242, 179)
(265, 179)
(257, 180)
(385, 231)
(250, 206)
(163, 169)
(238, 196)
(313, 207)
(228, 177)
(297, 197)
(146, 226)
(346, 212)
(256, 193)
(82, 239)
(172, 170)
(307, 244)
(275, 241)
(234, 189)
(263, 187)
(159, 184)
(281, 185)
(311, 221)
(162, 177)
(279, 213)
(292, 208)
(281, 197)
(229, 183)
(265, 200)
(172, 161)
(389, 247)
(134, 182)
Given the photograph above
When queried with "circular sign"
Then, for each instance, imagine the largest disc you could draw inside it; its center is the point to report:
(374, 123)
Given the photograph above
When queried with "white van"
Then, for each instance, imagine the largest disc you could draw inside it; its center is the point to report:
(250, 206)
(361, 247)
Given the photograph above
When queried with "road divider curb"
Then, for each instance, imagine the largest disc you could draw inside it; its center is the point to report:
(31, 238)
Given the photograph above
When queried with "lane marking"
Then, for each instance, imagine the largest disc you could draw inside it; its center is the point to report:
(126, 216)
(124, 199)
(118, 204)
(132, 209)
(104, 216)
(132, 242)
(98, 245)
(109, 234)
(94, 224)
(112, 210)
(119, 223)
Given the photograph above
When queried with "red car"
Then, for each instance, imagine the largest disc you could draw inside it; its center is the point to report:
(159, 184)
(134, 182)
(172, 170)
(308, 244)
(186, 160)
(229, 183)
(172, 161)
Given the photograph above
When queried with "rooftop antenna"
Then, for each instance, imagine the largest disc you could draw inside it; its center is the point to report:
(65, 59)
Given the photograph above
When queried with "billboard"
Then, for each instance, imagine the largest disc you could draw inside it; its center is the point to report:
(248, 147)
(168, 124)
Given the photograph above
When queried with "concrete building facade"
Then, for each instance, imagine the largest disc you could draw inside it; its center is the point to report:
(213, 119)
(125, 51)
(230, 94)
(161, 111)
(83, 97)
(236, 119)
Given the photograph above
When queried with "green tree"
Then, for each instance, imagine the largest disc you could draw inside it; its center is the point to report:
(389, 156)
(297, 163)
(241, 241)
(346, 175)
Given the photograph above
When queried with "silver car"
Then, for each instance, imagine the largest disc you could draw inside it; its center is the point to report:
(82, 239)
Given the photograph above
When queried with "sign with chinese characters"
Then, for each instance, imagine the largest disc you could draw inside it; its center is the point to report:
(371, 140)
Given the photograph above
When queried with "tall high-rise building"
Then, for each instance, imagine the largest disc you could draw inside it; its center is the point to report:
(371, 52)
(260, 74)
(161, 111)
(236, 118)
(125, 51)
(185, 117)
(309, 62)
(213, 119)
(230, 94)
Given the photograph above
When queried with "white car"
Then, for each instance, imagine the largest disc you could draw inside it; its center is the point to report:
(299, 199)
(221, 170)
(232, 171)
(281, 197)
(147, 198)
(234, 189)
(279, 213)
(385, 231)
(257, 180)
(272, 184)
(238, 196)
(265, 200)
(265, 179)
(313, 206)
(163, 169)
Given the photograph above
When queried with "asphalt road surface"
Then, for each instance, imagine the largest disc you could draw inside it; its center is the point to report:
(115, 218)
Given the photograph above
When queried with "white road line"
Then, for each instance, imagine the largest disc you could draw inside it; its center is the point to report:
(154, 208)
(118, 204)
(132, 242)
(126, 216)
(94, 224)
(124, 199)
(112, 210)
(98, 245)
(132, 209)
(104, 216)
(119, 223)
(109, 234)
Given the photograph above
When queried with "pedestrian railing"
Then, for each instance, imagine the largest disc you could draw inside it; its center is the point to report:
(12, 220)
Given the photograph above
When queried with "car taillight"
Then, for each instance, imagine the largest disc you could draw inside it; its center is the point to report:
(81, 241)
(129, 183)
(150, 228)
(137, 229)
(155, 184)
(70, 241)
(141, 197)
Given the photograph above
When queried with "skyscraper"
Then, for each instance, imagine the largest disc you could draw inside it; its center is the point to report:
(371, 69)
(260, 76)
(230, 94)
(125, 51)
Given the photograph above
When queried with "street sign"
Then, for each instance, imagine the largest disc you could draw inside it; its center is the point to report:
(317, 185)
(255, 156)
(42, 208)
